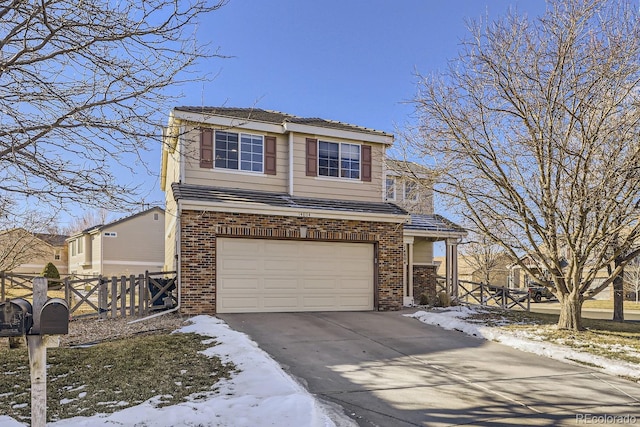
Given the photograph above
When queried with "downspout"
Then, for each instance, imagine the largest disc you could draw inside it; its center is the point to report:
(291, 163)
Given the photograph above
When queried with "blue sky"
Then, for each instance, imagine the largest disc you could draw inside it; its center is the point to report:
(348, 60)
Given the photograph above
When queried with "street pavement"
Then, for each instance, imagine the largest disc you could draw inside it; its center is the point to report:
(553, 307)
(386, 369)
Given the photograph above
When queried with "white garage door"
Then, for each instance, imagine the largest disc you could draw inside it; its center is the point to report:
(259, 275)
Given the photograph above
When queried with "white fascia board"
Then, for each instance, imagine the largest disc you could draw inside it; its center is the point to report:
(229, 122)
(260, 209)
(338, 133)
(434, 234)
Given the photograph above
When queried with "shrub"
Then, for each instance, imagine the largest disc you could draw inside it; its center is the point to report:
(443, 300)
(51, 272)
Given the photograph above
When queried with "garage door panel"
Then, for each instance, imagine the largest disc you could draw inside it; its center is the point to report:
(239, 284)
(280, 247)
(238, 304)
(267, 275)
(354, 284)
(240, 265)
(280, 284)
(284, 303)
(322, 284)
(279, 266)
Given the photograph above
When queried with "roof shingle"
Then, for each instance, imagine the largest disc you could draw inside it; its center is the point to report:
(283, 200)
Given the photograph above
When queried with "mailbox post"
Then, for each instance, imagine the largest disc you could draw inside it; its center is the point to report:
(45, 317)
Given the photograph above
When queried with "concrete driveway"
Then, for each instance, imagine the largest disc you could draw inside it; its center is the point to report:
(386, 369)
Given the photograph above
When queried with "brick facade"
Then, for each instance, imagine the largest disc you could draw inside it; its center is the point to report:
(424, 281)
(198, 232)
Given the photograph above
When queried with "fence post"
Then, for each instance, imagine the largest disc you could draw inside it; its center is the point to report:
(67, 292)
(147, 291)
(132, 295)
(482, 293)
(142, 294)
(1, 285)
(38, 357)
(123, 296)
(114, 297)
(102, 298)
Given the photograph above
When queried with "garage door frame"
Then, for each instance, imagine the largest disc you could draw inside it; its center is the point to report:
(373, 243)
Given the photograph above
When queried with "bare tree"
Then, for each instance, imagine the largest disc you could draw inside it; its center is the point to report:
(487, 258)
(23, 238)
(87, 220)
(533, 131)
(84, 85)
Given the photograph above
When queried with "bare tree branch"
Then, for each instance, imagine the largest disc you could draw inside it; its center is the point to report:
(533, 131)
(84, 87)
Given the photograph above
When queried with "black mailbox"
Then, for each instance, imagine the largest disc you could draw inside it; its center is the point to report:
(15, 317)
(54, 317)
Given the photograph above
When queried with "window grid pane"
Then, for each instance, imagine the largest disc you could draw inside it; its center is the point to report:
(226, 150)
(328, 158)
(251, 156)
(391, 189)
(350, 161)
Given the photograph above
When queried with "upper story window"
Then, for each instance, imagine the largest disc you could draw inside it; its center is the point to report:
(390, 188)
(410, 190)
(80, 245)
(238, 151)
(338, 160)
(73, 247)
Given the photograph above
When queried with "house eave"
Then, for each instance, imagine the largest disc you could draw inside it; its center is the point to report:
(337, 133)
(228, 122)
(261, 209)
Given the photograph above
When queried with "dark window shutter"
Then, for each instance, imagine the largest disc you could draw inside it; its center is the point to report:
(366, 162)
(270, 155)
(206, 148)
(312, 157)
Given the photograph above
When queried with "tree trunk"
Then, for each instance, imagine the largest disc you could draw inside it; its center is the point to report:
(618, 296)
(618, 299)
(570, 311)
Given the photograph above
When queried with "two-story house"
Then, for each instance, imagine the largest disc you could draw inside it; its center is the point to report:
(267, 211)
(131, 245)
(22, 251)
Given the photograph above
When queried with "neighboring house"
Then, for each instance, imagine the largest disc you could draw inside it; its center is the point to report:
(24, 252)
(521, 278)
(267, 211)
(469, 271)
(130, 245)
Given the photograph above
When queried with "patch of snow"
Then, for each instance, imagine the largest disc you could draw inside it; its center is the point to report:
(522, 340)
(260, 394)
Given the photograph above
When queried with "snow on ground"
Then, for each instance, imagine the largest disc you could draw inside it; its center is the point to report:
(454, 319)
(262, 394)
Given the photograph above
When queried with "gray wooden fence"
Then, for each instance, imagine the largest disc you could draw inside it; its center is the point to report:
(105, 297)
(490, 295)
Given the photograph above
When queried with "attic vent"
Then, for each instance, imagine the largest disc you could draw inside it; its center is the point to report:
(110, 234)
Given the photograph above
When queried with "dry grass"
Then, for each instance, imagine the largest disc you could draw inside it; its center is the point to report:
(118, 372)
(605, 338)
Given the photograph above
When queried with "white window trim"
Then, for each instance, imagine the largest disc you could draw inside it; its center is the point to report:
(395, 189)
(340, 178)
(404, 193)
(239, 169)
